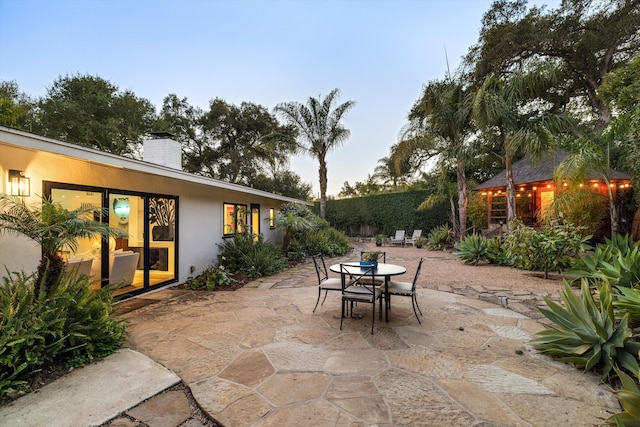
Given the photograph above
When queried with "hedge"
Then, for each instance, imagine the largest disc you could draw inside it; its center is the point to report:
(384, 214)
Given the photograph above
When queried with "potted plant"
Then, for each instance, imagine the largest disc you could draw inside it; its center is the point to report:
(379, 239)
(420, 241)
(370, 258)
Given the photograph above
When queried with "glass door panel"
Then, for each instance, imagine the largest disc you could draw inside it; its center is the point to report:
(162, 226)
(255, 221)
(126, 254)
(87, 258)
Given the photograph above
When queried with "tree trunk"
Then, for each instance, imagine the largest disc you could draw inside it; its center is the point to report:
(49, 271)
(323, 186)
(511, 193)
(462, 198)
(613, 212)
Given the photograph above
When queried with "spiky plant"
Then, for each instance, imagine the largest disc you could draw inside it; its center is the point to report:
(586, 333)
(53, 228)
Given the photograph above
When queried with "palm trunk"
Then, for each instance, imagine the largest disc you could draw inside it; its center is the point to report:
(49, 271)
(323, 187)
(462, 198)
(613, 212)
(511, 193)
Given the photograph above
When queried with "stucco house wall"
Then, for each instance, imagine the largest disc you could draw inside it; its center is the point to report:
(200, 199)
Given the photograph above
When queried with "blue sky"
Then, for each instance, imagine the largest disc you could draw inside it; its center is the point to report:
(378, 53)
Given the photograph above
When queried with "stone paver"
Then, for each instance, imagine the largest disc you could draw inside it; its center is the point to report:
(260, 357)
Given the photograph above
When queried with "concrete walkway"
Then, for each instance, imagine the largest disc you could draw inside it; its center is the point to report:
(259, 356)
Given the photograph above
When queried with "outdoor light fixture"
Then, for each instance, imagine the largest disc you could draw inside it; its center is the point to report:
(20, 185)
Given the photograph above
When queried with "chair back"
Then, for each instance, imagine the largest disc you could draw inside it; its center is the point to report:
(384, 255)
(416, 234)
(415, 279)
(399, 235)
(357, 276)
(321, 268)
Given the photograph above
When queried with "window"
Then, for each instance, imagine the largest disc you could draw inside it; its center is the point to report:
(272, 218)
(235, 218)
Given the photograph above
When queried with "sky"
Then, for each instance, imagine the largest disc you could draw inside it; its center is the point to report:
(378, 53)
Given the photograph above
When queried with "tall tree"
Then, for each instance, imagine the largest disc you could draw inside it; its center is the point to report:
(584, 39)
(92, 112)
(17, 110)
(507, 109)
(441, 126)
(320, 130)
(391, 174)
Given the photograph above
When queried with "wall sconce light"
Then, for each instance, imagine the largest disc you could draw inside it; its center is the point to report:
(20, 185)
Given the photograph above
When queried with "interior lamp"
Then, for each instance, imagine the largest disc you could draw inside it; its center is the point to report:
(20, 185)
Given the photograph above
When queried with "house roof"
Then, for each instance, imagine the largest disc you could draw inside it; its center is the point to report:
(526, 170)
(40, 143)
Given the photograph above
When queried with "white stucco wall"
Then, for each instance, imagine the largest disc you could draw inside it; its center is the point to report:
(200, 211)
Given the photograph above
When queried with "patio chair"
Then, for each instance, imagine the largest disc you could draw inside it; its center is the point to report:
(326, 283)
(412, 240)
(405, 289)
(398, 239)
(360, 292)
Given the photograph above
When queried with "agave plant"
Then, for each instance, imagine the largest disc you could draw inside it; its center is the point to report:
(473, 249)
(440, 237)
(616, 262)
(627, 300)
(585, 333)
(629, 398)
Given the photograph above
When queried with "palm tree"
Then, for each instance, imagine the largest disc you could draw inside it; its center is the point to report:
(440, 125)
(505, 108)
(594, 156)
(320, 130)
(389, 175)
(54, 228)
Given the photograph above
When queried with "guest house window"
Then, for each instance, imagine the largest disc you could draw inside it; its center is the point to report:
(272, 218)
(235, 218)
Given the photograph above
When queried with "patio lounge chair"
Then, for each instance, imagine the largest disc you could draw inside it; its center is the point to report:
(412, 239)
(398, 239)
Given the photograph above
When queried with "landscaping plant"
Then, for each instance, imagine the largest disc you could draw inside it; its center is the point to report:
(251, 255)
(440, 238)
(629, 398)
(617, 262)
(71, 325)
(473, 249)
(212, 277)
(586, 333)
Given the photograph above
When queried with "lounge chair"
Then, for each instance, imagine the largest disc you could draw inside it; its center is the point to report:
(398, 239)
(412, 239)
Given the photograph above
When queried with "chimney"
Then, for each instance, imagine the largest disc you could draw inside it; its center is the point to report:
(163, 150)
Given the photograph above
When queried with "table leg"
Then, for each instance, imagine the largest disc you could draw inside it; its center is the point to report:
(386, 298)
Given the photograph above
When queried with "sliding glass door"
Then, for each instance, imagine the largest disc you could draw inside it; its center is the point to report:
(144, 255)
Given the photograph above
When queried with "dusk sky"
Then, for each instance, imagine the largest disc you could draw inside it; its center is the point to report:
(379, 54)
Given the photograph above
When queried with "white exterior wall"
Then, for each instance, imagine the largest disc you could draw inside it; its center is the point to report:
(200, 210)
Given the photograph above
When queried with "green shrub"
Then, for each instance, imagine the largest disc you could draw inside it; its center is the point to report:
(263, 259)
(440, 237)
(72, 324)
(326, 241)
(495, 252)
(477, 210)
(617, 261)
(555, 248)
(586, 334)
(232, 250)
(473, 249)
(211, 278)
(244, 253)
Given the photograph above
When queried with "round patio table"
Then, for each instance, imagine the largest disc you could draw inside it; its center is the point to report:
(383, 270)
